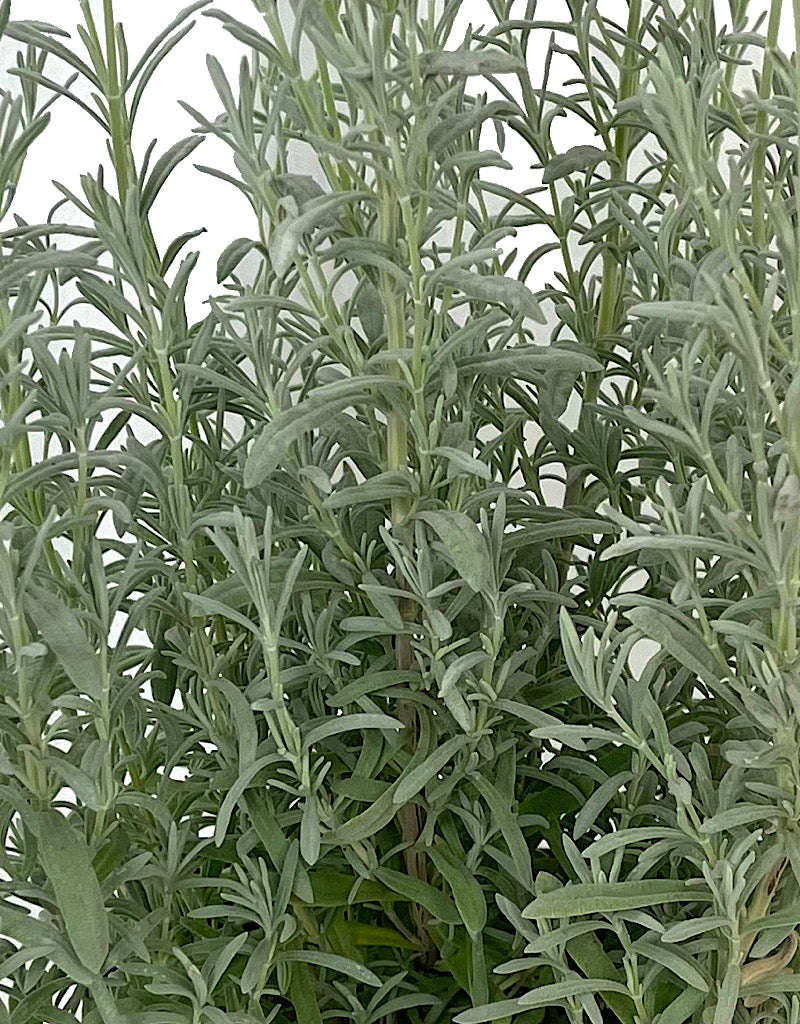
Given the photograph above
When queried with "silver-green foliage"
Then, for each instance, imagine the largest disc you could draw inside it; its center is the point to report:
(388, 753)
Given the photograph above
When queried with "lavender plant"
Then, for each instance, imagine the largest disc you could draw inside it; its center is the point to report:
(316, 705)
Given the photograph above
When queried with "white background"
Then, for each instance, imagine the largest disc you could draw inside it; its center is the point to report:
(73, 144)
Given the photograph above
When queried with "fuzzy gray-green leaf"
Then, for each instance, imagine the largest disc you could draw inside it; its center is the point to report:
(465, 544)
(463, 63)
(67, 861)
(420, 776)
(578, 158)
(287, 235)
(467, 892)
(62, 632)
(505, 291)
(271, 445)
(333, 962)
(612, 897)
(680, 964)
(728, 995)
(681, 641)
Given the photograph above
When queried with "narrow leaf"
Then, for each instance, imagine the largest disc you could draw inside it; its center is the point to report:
(68, 864)
(231, 256)
(611, 897)
(550, 995)
(310, 839)
(506, 820)
(682, 312)
(682, 966)
(504, 1010)
(741, 814)
(291, 424)
(208, 606)
(420, 776)
(696, 926)
(603, 795)
(463, 463)
(348, 723)
(288, 234)
(235, 792)
(588, 953)
(529, 362)
(466, 546)
(683, 1007)
(684, 644)
(728, 995)
(437, 903)
(505, 291)
(467, 891)
(579, 158)
(470, 62)
(333, 962)
(301, 993)
(164, 166)
(64, 635)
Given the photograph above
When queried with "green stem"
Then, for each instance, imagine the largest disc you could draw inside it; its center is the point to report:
(117, 115)
(796, 304)
(30, 717)
(106, 1003)
(397, 441)
(760, 226)
(613, 275)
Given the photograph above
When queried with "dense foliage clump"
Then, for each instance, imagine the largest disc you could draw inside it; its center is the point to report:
(402, 642)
